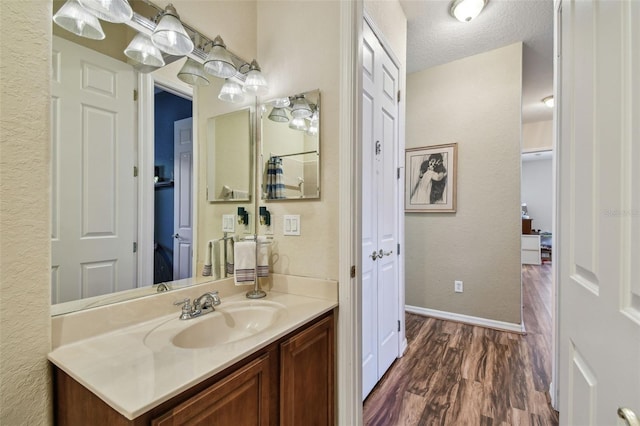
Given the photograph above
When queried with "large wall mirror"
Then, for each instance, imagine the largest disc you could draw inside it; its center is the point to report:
(290, 147)
(101, 182)
(229, 157)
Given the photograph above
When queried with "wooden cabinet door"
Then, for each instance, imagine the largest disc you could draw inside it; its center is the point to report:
(306, 376)
(240, 399)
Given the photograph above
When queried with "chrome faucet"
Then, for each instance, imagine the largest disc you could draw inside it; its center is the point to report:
(201, 305)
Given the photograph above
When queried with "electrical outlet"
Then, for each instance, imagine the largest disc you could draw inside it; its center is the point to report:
(457, 286)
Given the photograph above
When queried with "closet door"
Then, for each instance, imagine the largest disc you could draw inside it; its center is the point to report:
(380, 218)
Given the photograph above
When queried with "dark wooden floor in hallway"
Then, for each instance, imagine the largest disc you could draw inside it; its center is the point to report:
(459, 374)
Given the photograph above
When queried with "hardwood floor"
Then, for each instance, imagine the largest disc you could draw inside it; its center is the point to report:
(459, 374)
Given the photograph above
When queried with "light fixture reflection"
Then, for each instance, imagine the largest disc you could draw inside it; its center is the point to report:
(219, 61)
(279, 115)
(76, 19)
(466, 10)
(117, 11)
(298, 123)
(300, 107)
(231, 92)
(549, 101)
(255, 83)
(170, 36)
(193, 73)
(142, 50)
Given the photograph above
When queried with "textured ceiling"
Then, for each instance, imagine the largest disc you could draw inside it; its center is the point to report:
(435, 37)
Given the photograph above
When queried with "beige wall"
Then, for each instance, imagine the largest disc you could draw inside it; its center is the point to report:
(537, 136)
(25, 324)
(298, 48)
(475, 102)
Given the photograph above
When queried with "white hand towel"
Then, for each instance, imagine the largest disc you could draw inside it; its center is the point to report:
(263, 257)
(244, 254)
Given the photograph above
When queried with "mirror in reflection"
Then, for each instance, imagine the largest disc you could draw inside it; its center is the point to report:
(229, 154)
(290, 147)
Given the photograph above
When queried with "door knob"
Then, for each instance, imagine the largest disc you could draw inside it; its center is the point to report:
(628, 416)
(374, 255)
(384, 253)
(176, 235)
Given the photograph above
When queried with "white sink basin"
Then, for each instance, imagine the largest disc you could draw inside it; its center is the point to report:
(230, 322)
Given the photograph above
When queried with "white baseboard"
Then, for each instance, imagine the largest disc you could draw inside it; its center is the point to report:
(467, 319)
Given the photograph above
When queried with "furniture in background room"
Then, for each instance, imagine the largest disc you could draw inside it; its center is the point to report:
(530, 249)
(526, 225)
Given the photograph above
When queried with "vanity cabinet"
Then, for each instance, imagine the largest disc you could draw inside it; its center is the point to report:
(288, 382)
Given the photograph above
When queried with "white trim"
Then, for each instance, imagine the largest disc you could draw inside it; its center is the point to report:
(349, 348)
(467, 319)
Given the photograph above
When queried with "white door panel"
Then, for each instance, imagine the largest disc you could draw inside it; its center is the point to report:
(599, 156)
(183, 194)
(380, 288)
(93, 151)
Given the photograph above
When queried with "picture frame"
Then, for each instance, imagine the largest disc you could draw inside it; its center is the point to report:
(431, 179)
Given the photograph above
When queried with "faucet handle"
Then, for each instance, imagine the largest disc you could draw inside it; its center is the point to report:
(186, 308)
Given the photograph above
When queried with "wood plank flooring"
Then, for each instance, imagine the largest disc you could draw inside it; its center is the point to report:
(459, 374)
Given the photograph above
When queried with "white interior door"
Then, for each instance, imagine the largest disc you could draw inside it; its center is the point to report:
(183, 198)
(93, 185)
(599, 204)
(380, 286)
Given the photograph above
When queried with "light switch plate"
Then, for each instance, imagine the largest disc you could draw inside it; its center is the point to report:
(291, 224)
(228, 223)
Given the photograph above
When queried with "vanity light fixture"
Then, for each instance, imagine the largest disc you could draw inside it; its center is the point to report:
(279, 115)
(300, 107)
(255, 83)
(169, 35)
(142, 50)
(76, 19)
(231, 92)
(549, 101)
(243, 216)
(116, 11)
(219, 61)
(192, 72)
(466, 10)
(281, 102)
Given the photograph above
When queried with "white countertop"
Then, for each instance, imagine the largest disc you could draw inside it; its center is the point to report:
(133, 378)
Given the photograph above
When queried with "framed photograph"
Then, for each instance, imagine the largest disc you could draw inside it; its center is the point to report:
(430, 178)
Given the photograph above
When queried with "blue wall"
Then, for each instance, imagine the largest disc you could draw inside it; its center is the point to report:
(168, 108)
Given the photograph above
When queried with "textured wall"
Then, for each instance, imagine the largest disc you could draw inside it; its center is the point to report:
(475, 102)
(305, 56)
(537, 135)
(25, 324)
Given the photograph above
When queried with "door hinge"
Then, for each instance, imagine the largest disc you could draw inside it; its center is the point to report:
(135, 171)
(135, 247)
(398, 172)
(398, 249)
(398, 96)
(398, 325)
(135, 95)
(353, 271)
(378, 147)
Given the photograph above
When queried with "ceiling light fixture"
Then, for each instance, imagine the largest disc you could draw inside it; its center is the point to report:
(142, 50)
(231, 92)
(466, 10)
(169, 35)
(255, 83)
(193, 73)
(76, 19)
(549, 101)
(116, 11)
(219, 61)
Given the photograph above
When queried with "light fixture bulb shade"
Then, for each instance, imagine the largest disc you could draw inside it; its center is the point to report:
(171, 37)
(298, 123)
(117, 11)
(255, 83)
(313, 128)
(76, 19)
(279, 115)
(192, 73)
(300, 108)
(142, 50)
(219, 61)
(231, 92)
(466, 10)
